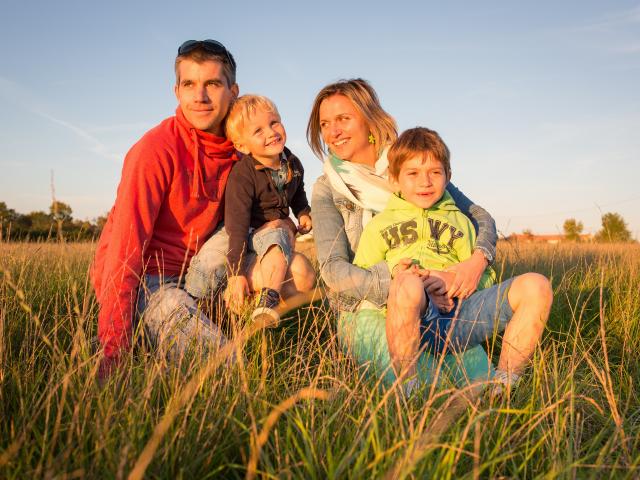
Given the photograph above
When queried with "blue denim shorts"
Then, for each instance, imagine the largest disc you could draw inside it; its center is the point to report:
(262, 240)
(471, 322)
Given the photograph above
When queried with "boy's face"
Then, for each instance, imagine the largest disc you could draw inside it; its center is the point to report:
(263, 136)
(421, 182)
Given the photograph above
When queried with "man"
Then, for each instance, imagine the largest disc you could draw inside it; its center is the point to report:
(169, 201)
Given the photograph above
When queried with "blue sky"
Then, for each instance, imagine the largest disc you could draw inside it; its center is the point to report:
(539, 102)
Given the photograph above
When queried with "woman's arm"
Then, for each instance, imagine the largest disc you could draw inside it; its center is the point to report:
(482, 220)
(469, 272)
(335, 256)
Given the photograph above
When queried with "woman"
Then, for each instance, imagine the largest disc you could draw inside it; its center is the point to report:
(348, 124)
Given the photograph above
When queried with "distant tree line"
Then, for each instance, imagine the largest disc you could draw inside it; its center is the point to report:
(614, 229)
(57, 224)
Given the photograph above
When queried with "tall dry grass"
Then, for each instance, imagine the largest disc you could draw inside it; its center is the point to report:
(296, 406)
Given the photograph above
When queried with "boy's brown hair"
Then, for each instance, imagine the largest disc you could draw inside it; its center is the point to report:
(418, 141)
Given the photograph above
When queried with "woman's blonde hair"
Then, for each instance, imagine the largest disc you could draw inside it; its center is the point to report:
(241, 110)
(363, 96)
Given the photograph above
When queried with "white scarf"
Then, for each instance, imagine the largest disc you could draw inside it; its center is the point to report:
(365, 186)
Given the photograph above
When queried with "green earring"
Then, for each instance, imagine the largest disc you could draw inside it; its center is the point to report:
(372, 139)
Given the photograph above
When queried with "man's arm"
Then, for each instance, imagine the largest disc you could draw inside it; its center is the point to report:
(140, 194)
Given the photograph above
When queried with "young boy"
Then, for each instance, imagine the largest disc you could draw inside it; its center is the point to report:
(262, 187)
(421, 222)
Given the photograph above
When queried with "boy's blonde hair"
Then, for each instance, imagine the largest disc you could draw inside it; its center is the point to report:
(364, 98)
(241, 110)
(418, 141)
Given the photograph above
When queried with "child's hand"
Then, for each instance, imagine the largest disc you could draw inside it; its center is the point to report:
(437, 291)
(406, 265)
(304, 224)
(236, 293)
(467, 275)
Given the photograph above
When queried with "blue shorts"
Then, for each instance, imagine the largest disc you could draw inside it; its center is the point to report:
(470, 323)
(262, 240)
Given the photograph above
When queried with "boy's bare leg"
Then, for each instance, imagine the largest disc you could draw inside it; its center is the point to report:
(406, 303)
(301, 277)
(273, 268)
(530, 298)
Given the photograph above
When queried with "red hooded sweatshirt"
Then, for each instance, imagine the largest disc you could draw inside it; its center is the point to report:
(169, 201)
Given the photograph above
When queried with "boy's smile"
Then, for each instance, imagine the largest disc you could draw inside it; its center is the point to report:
(263, 136)
(422, 181)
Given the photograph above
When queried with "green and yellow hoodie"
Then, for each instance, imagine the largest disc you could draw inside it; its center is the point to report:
(436, 237)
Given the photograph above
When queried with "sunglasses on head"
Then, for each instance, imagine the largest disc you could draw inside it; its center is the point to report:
(211, 46)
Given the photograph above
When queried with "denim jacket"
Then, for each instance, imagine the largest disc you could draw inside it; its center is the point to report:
(337, 228)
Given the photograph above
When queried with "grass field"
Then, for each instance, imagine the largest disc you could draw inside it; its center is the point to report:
(297, 407)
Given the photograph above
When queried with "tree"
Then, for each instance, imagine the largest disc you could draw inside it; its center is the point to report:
(60, 212)
(40, 224)
(528, 234)
(614, 229)
(572, 229)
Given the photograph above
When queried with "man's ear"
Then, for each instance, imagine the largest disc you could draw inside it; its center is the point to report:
(235, 90)
(175, 91)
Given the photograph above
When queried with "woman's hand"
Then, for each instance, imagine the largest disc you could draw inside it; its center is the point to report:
(467, 275)
(236, 293)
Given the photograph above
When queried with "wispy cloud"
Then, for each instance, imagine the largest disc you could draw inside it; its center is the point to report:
(18, 95)
(614, 20)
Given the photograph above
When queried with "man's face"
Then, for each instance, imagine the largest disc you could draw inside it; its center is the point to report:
(203, 94)
(263, 136)
(421, 181)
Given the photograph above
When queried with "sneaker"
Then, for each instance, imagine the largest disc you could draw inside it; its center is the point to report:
(504, 383)
(266, 310)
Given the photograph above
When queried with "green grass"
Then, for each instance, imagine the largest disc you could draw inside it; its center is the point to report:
(297, 406)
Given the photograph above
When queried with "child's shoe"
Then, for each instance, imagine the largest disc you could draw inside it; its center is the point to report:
(504, 383)
(265, 311)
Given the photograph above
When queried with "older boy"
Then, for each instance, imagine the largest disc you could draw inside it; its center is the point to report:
(421, 222)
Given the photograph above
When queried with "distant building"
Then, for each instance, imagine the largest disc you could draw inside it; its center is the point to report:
(551, 239)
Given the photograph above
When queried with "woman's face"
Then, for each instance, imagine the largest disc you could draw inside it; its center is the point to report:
(345, 131)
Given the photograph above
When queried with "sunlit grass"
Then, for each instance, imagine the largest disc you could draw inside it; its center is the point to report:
(296, 406)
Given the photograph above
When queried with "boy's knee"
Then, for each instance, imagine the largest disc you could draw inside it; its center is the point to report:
(407, 290)
(532, 288)
(302, 272)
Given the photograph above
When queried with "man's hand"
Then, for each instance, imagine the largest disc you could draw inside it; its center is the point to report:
(467, 275)
(305, 224)
(236, 293)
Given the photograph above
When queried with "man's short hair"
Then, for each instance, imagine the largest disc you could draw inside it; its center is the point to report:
(418, 141)
(241, 110)
(207, 50)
